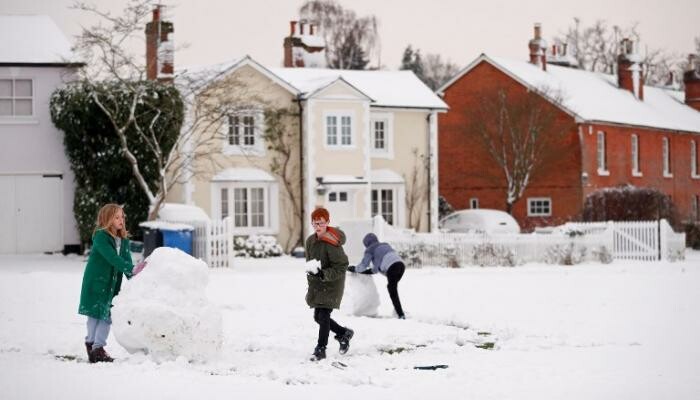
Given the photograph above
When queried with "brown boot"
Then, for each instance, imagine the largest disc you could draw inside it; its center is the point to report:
(88, 348)
(100, 355)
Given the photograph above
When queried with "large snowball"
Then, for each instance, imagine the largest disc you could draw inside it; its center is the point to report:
(164, 310)
(361, 297)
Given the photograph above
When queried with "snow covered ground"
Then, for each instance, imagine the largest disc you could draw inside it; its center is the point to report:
(619, 331)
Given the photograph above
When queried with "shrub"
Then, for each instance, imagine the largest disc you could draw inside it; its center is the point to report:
(491, 254)
(692, 235)
(256, 246)
(629, 203)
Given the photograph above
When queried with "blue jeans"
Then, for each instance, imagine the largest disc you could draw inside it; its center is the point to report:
(97, 331)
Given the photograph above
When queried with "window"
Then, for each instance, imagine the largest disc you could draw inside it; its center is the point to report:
(241, 130)
(338, 130)
(539, 207)
(602, 156)
(635, 156)
(224, 203)
(383, 204)
(337, 197)
(694, 159)
(666, 152)
(474, 203)
(379, 130)
(248, 207)
(16, 98)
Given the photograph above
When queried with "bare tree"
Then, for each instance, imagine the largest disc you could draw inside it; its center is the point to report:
(521, 133)
(597, 46)
(431, 69)
(416, 189)
(350, 40)
(208, 102)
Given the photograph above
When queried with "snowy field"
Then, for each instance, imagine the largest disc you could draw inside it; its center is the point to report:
(618, 331)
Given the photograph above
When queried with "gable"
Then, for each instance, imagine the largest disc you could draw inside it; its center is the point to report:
(339, 89)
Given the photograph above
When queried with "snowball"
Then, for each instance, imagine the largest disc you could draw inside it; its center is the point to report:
(361, 297)
(312, 266)
(164, 312)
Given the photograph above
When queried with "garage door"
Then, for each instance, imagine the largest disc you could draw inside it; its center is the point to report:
(31, 211)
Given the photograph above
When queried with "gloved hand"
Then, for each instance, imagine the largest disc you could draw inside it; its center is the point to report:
(139, 267)
(351, 268)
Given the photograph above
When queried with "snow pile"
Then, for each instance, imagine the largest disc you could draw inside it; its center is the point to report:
(164, 311)
(257, 246)
(360, 297)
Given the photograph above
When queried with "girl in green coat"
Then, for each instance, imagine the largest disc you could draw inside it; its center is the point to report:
(109, 259)
(327, 283)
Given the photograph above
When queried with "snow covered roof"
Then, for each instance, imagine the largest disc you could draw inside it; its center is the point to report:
(386, 88)
(33, 39)
(385, 176)
(596, 97)
(243, 174)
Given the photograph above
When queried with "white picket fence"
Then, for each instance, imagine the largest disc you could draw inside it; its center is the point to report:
(637, 240)
(572, 242)
(212, 242)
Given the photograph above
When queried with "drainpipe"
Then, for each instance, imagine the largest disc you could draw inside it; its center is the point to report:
(301, 169)
(430, 189)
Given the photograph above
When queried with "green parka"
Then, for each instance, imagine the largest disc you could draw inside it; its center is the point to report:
(102, 278)
(326, 291)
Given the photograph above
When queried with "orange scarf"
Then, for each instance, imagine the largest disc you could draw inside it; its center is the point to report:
(331, 236)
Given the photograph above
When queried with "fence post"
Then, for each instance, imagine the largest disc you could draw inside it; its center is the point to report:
(228, 228)
(610, 237)
(663, 239)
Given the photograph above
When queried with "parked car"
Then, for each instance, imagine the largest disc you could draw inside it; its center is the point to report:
(480, 221)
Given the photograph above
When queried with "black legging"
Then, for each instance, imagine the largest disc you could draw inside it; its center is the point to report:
(322, 316)
(394, 274)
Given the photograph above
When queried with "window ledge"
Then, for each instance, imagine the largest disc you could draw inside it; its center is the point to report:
(667, 175)
(694, 176)
(18, 121)
(230, 150)
(340, 147)
(603, 172)
(637, 174)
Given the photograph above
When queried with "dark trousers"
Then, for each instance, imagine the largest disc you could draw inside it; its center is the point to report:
(394, 274)
(322, 316)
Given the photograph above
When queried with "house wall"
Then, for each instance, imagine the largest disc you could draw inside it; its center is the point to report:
(34, 146)
(467, 171)
(681, 186)
(247, 86)
(410, 132)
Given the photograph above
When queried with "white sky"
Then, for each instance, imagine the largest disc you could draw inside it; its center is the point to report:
(220, 30)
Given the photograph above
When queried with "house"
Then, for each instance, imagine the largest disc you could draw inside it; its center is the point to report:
(36, 182)
(360, 143)
(621, 132)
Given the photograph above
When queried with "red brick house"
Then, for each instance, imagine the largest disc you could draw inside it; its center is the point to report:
(620, 132)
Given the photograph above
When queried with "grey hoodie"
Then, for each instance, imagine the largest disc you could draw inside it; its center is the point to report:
(381, 255)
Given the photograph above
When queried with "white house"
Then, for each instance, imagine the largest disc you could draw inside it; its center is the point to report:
(36, 183)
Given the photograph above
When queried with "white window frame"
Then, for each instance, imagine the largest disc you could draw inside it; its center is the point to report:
(666, 157)
(258, 147)
(339, 115)
(474, 203)
(12, 98)
(601, 154)
(270, 205)
(634, 152)
(694, 160)
(531, 200)
(388, 150)
(380, 199)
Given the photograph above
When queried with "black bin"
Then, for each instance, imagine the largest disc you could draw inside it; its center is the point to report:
(152, 239)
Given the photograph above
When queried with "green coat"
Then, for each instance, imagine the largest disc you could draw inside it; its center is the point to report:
(102, 278)
(326, 291)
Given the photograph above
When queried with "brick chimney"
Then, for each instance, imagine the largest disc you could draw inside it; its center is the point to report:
(159, 47)
(629, 69)
(304, 47)
(538, 48)
(691, 79)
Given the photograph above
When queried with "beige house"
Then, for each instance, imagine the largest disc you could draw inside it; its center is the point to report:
(360, 143)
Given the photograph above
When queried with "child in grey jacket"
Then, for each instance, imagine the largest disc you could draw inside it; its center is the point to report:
(386, 261)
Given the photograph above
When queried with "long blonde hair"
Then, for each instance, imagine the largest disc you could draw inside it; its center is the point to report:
(104, 219)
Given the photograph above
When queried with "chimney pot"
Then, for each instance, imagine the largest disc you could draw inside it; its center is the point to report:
(301, 26)
(538, 30)
(292, 27)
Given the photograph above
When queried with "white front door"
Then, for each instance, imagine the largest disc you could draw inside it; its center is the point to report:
(340, 205)
(31, 208)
